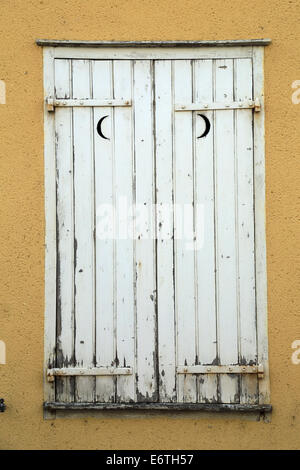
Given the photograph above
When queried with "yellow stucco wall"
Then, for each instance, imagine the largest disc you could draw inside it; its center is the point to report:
(22, 215)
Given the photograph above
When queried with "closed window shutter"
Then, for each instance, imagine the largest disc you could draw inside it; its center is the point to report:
(155, 232)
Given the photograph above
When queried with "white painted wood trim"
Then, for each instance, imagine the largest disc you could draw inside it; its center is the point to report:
(148, 53)
(260, 230)
(50, 228)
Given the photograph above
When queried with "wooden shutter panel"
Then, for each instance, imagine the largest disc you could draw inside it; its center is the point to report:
(135, 311)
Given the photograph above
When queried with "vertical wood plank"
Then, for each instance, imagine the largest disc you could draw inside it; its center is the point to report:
(226, 232)
(184, 253)
(205, 229)
(65, 232)
(245, 226)
(260, 230)
(164, 220)
(146, 369)
(50, 232)
(84, 230)
(123, 193)
(104, 242)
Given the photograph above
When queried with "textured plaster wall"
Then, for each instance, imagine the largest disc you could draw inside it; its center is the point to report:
(22, 214)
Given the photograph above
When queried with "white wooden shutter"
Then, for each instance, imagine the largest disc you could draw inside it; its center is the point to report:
(169, 318)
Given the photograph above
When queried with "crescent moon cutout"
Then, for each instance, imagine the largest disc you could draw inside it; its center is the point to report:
(99, 130)
(207, 126)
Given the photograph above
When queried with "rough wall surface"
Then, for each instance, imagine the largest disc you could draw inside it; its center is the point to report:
(22, 215)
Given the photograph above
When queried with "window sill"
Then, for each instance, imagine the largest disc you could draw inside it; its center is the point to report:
(215, 407)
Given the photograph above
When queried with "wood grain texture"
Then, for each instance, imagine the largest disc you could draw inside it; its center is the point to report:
(65, 231)
(165, 230)
(205, 231)
(245, 230)
(124, 248)
(83, 230)
(183, 224)
(169, 285)
(104, 243)
(226, 233)
(145, 249)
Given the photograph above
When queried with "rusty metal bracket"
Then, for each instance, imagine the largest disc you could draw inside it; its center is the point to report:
(2, 405)
(223, 369)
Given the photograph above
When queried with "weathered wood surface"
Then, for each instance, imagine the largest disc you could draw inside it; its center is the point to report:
(176, 288)
(84, 250)
(226, 237)
(104, 247)
(204, 71)
(124, 245)
(220, 43)
(165, 231)
(216, 407)
(145, 245)
(184, 269)
(65, 232)
(245, 231)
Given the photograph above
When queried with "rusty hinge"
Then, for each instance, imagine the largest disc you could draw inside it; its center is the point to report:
(224, 369)
(92, 371)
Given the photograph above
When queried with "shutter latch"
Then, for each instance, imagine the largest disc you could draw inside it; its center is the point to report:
(257, 106)
(50, 104)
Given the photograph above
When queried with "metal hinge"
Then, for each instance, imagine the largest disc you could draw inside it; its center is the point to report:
(224, 369)
(215, 106)
(92, 371)
(52, 103)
